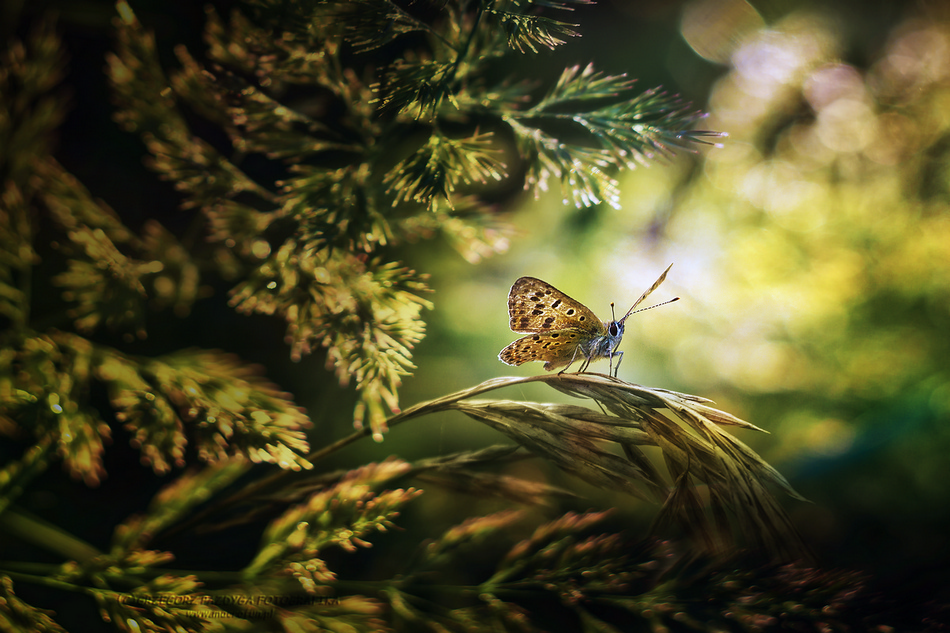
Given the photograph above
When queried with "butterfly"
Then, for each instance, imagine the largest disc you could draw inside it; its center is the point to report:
(562, 330)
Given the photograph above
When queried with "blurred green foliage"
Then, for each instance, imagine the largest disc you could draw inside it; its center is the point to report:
(829, 272)
(810, 251)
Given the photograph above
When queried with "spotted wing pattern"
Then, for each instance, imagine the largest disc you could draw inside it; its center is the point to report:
(556, 349)
(560, 329)
(537, 306)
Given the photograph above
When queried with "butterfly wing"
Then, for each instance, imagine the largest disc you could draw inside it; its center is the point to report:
(656, 284)
(537, 306)
(558, 349)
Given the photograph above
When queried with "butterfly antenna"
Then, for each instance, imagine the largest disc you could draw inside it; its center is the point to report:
(613, 317)
(649, 308)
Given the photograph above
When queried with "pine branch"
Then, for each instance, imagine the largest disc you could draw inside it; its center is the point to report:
(17, 256)
(336, 208)
(629, 133)
(649, 126)
(293, 58)
(366, 315)
(530, 32)
(227, 409)
(330, 208)
(113, 275)
(372, 24)
(106, 285)
(255, 121)
(147, 105)
(333, 197)
(575, 87)
(19, 617)
(338, 516)
(471, 228)
(29, 110)
(436, 169)
(417, 88)
(583, 172)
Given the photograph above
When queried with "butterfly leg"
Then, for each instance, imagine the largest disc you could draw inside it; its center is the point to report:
(573, 358)
(585, 364)
(619, 356)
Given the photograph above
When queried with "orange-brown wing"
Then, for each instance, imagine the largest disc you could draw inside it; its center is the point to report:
(537, 306)
(556, 349)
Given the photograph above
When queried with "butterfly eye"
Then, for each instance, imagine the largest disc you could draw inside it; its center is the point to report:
(614, 329)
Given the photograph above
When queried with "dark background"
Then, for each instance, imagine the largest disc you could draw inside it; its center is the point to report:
(880, 505)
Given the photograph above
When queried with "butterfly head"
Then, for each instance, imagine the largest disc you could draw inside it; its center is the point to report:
(615, 327)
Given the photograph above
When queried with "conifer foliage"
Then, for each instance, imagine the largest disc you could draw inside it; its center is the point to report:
(391, 152)
(381, 123)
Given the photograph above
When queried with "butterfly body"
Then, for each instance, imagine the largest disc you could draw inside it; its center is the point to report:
(560, 330)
